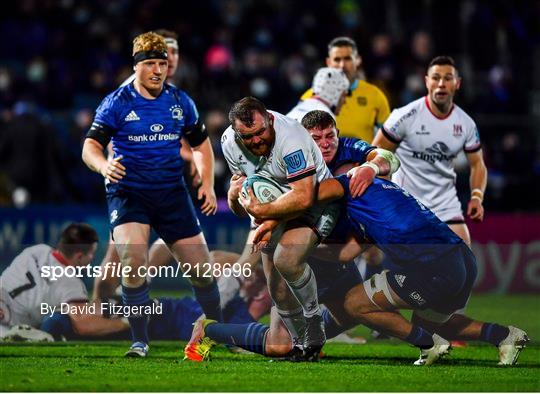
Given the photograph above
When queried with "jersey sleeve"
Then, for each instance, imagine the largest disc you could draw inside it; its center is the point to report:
(297, 158)
(344, 181)
(383, 108)
(358, 149)
(472, 142)
(395, 127)
(227, 147)
(307, 94)
(67, 290)
(107, 113)
(190, 112)
(194, 129)
(105, 122)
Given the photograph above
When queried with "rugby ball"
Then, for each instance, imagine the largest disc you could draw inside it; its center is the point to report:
(265, 189)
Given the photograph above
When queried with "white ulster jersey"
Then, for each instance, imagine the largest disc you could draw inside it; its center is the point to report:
(427, 148)
(23, 287)
(294, 155)
(307, 105)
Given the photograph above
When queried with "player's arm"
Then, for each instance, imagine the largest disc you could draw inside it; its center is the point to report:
(295, 201)
(94, 158)
(477, 181)
(233, 193)
(95, 325)
(330, 190)
(203, 157)
(289, 205)
(379, 162)
(383, 141)
(106, 282)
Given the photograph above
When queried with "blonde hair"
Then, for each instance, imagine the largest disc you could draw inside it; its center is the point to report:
(149, 41)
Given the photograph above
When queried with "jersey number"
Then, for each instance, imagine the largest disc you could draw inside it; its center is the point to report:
(18, 290)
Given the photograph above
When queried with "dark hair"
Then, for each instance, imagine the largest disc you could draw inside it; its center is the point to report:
(442, 61)
(243, 111)
(318, 120)
(77, 237)
(342, 42)
(167, 33)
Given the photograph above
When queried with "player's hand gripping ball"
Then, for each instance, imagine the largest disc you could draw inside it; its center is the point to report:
(265, 189)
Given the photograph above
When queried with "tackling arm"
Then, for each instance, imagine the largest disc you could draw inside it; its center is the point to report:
(300, 198)
(94, 325)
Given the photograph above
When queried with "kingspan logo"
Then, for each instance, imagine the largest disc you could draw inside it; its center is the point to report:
(439, 151)
(156, 127)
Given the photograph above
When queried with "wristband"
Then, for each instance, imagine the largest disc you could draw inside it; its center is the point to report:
(372, 165)
(479, 191)
(477, 198)
(390, 158)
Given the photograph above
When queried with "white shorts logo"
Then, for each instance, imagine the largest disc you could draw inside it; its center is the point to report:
(400, 279)
(418, 298)
(114, 216)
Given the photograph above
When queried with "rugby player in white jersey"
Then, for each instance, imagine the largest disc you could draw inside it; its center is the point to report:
(26, 285)
(330, 87)
(273, 145)
(427, 135)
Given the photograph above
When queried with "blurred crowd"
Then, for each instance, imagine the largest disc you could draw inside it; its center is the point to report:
(59, 58)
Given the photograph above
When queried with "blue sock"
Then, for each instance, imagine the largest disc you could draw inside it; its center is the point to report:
(331, 327)
(208, 298)
(249, 336)
(58, 325)
(493, 333)
(132, 296)
(420, 338)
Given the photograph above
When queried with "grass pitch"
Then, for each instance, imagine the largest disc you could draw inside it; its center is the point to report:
(376, 366)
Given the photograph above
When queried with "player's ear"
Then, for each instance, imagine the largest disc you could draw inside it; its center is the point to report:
(337, 132)
(358, 61)
(458, 83)
(328, 62)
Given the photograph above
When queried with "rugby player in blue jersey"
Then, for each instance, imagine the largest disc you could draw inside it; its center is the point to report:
(435, 275)
(145, 121)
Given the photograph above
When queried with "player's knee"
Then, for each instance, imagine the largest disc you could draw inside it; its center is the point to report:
(357, 303)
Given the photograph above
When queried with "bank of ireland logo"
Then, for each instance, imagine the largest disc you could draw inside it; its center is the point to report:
(156, 127)
(177, 112)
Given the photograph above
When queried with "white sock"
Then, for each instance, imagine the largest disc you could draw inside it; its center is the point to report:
(305, 291)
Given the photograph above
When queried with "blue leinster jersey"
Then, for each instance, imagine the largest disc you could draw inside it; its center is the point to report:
(147, 134)
(350, 150)
(398, 224)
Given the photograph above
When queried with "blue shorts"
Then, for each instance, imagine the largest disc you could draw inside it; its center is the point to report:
(170, 212)
(443, 286)
(334, 280)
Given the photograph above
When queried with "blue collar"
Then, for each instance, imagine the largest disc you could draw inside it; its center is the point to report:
(354, 85)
